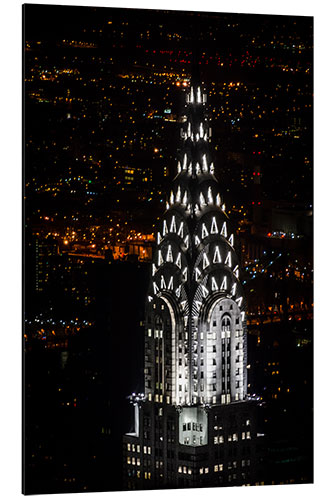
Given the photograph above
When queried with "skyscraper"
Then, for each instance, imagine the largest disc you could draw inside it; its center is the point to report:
(194, 424)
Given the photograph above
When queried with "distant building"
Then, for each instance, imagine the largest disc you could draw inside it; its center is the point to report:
(194, 425)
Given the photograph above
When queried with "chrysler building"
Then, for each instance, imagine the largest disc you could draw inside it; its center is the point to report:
(194, 425)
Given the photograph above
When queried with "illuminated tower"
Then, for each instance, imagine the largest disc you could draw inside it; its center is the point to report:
(194, 424)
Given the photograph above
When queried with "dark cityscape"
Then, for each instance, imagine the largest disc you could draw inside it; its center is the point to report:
(104, 93)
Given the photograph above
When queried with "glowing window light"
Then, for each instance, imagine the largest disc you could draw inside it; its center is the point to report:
(204, 232)
(204, 163)
(163, 283)
(236, 271)
(192, 95)
(155, 287)
(197, 273)
(198, 304)
(239, 301)
(165, 228)
(179, 260)
(154, 269)
(159, 238)
(170, 284)
(218, 200)
(181, 230)
(184, 161)
(224, 230)
(183, 305)
(172, 198)
(169, 256)
(213, 228)
(184, 198)
(189, 128)
(197, 168)
(173, 225)
(190, 169)
(205, 261)
(211, 168)
(201, 131)
(228, 259)
(233, 289)
(167, 205)
(210, 196)
(179, 168)
(202, 199)
(214, 285)
(160, 258)
(243, 315)
(198, 95)
(217, 256)
(178, 195)
(231, 240)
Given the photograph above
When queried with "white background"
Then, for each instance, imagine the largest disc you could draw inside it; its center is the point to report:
(10, 244)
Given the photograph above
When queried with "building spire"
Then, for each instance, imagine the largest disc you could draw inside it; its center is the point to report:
(195, 279)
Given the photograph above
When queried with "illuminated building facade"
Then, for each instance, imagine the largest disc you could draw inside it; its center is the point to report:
(194, 425)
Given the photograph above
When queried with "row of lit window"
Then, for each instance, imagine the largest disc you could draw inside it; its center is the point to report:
(136, 448)
(146, 475)
(158, 398)
(133, 461)
(232, 437)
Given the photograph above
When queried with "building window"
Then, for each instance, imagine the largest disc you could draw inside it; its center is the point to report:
(128, 447)
(201, 471)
